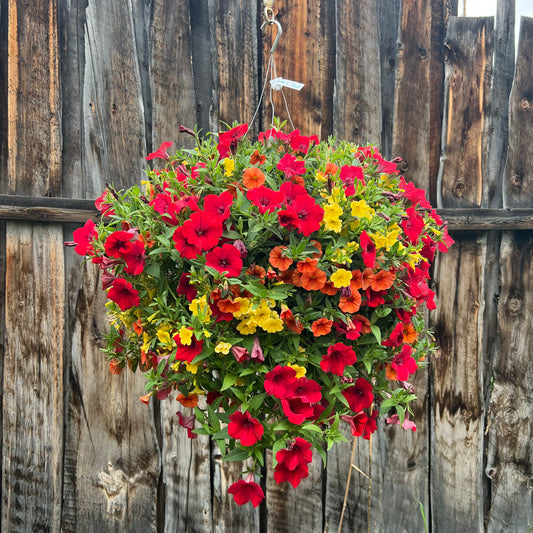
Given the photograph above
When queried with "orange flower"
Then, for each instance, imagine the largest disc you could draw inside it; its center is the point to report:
(296, 278)
(313, 281)
(146, 398)
(114, 367)
(409, 333)
(285, 276)
(318, 246)
(146, 240)
(228, 306)
(257, 271)
(307, 265)
(322, 326)
(278, 259)
(187, 401)
(365, 323)
(253, 177)
(368, 278)
(357, 280)
(137, 327)
(383, 280)
(291, 321)
(331, 169)
(350, 304)
(329, 288)
(257, 158)
(390, 373)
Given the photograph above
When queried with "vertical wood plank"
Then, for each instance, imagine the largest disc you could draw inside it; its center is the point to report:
(509, 461)
(357, 97)
(305, 53)
(464, 143)
(32, 430)
(285, 504)
(111, 453)
(236, 73)
(3, 96)
(171, 77)
(416, 114)
(388, 21)
(518, 184)
(458, 412)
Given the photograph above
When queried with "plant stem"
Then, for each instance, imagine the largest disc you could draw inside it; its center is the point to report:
(347, 484)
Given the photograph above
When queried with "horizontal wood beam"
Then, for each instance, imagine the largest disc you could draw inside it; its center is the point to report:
(44, 209)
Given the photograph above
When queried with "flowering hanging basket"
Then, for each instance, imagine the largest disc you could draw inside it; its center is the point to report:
(273, 288)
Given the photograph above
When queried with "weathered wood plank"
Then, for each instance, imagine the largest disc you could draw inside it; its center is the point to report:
(236, 74)
(171, 77)
(458, 410)
(388, 22)
(32, 430)
(285, 504)
(357, 98)
(510, 428)
(3, 96)
(487, 219)
(308, 32)
(414, 138)
(464, 142)
(518, 184)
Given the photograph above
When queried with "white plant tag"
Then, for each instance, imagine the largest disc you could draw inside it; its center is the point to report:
(278, 83)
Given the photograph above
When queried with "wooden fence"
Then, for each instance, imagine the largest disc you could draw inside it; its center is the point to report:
(88, 87)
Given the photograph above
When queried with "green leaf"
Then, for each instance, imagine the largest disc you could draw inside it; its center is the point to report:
(312, 427)
(221, 434)
(322, 453)
(377, 332)
(284, 425)
(229, 380)
(278, 445)
(201, 431)
(237, 454)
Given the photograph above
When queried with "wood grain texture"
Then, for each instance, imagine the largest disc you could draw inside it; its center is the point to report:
(3, 96)
(236, 74)
(307, 33)
(33, 374)
(285, 504)
(518, 184)
(458, 411)
(510, 428)
(468, 80)
(357, 97)
(388, 22)
(412, 139)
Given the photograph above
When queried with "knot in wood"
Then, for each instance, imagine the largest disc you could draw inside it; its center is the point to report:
(516, 180)
(525, 104)
(422, 53)
(459, 188)
(514, 306)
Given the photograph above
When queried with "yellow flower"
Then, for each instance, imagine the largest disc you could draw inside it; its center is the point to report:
(243, 309)
(272, 325)
(414, 259)
(229, 166)
(192, 367)
(223, 347)
(261, 313)
(146, 342)
(320, 177)
(332, 210)
(200, 308)
(341, 278)
(163, 335)
(185, 335)
(247, 326)
(361, 209)
(206, 334)
(332, 224)
(300, 370)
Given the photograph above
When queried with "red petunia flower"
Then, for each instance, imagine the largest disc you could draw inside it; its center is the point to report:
(348, 175)
(291, 166)
(404, 363)
(298, 453)
(359, 396)
(357, 423)
(186, 249)
(203, 230)
(123, 294)
(135, 258)
(412, 225)
(297, 410)
(245, 491)
(371, 425)
(290, 191)
(282, 474)
(103, 205)
(228, 140)
(368, 250)
(308, 390)
(309, 214)
(118, 243)
(187, 352)
(185, 288)
(246, 428)
(83, 237)
(265, 199)
(278, 381)
(301, 143)
(337, 358)
(288, 219)
(160, 153)
(218, 204)
(225, 258)
(396, 337)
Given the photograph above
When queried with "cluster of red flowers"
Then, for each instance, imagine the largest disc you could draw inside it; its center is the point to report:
(281, 280)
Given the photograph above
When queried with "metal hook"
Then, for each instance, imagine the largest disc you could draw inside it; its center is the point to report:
(270, 22)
